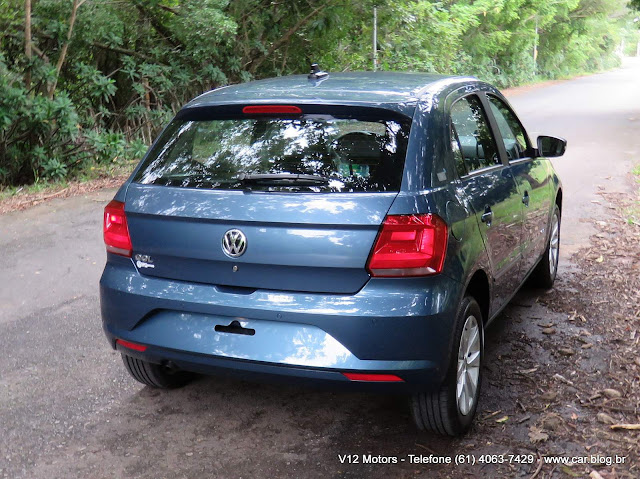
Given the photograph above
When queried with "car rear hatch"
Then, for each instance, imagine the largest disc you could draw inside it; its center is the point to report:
(299, 197)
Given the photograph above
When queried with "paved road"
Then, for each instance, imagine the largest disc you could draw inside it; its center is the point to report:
(68, 409)
(599, 115)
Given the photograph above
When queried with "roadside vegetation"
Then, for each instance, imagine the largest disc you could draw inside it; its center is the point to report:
(85, 85)
(632, 211)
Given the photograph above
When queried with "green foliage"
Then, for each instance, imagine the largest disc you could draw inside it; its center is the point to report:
(38, 136)
(129, 66)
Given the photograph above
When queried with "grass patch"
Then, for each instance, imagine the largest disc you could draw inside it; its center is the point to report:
(111, 170)
(632, 213)
(38, 187)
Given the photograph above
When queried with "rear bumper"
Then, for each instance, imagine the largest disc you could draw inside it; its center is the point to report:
(395, 326)
(413, 379)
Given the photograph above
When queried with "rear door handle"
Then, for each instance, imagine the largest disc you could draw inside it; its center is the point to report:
(525, 198)
(487, 216)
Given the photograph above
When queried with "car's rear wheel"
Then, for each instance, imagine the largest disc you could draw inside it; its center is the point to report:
(450, 410)
(545, 273)
(155, 375)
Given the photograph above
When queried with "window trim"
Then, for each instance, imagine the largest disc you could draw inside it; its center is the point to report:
(482, 171)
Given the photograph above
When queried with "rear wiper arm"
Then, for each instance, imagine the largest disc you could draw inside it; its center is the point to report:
(282, 178)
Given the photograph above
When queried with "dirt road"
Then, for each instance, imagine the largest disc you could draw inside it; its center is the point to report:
(68, 409)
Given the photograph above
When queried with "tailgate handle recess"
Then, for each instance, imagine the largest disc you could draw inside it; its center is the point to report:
(235, 328)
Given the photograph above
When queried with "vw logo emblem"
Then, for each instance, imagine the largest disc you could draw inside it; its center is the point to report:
(234, 243)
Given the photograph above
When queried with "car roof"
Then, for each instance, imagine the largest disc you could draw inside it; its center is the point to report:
(399, 91)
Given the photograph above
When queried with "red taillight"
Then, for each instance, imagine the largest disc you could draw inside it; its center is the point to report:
(271, 110)
(409, 245)
(130, 345)
(115, 230)
(391, 378)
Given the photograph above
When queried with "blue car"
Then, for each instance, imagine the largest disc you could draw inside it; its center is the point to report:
(355, 230)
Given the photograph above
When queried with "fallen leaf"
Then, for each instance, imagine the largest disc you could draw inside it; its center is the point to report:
(537, 435)
(600, 259)
(552, 422)
(595, 475)
(549, 396)
(604, 418)
(503, 419)
(567, 470)
(612, 393)
(566, 351)
(545, 325)
(549, 331)
(630, 427)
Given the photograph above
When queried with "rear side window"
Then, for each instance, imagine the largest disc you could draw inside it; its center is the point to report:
(476, 144)
(513, 135)
(347, 154)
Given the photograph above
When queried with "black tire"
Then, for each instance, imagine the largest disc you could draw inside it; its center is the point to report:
(544, 275)
(155, 375)
(440, 411)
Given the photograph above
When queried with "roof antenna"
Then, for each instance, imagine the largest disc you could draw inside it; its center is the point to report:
(316, 75)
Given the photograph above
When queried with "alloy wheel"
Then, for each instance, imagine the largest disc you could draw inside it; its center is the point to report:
(468, 365)
(554, 246)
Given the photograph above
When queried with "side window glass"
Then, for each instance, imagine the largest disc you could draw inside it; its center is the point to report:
(476, 142)
(513, 135)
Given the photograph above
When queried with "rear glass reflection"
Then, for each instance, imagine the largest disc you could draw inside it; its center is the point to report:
(322, 154)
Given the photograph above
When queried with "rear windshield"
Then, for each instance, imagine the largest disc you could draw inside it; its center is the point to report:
(309, 153)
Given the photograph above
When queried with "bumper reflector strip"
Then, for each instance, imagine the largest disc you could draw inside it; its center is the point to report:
(373, 377)
(130, 345)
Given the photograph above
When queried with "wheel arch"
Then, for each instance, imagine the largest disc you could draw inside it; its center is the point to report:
(478, 287)
(559, 200)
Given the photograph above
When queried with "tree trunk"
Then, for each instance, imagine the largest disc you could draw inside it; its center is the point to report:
(147, 107)
(28, 50)
(65, 47)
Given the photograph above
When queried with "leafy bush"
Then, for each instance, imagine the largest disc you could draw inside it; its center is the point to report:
(39, 137)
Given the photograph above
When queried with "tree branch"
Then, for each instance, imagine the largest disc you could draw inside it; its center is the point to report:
(170, 10)
(159, 27)
(123, 51)
(255, 64)
(40, 53)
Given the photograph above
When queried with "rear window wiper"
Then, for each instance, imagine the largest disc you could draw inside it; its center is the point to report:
(193, 179)
(282, 179)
